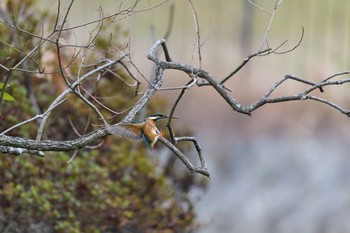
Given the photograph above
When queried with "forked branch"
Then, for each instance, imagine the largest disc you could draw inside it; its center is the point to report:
(218, 86)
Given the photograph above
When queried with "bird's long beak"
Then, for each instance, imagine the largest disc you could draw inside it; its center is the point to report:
(167, 116)
(173, 117)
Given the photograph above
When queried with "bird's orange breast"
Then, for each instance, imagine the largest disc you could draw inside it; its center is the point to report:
(150, 130)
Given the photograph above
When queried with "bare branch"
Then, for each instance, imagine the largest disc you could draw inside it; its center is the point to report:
(7, 78)
(296, 46)
(170, 22)
(49, 145)
(259, 7)
(336, 75)
(268, 28)
(201, 170)
(211, 81)
(177, 101)
(39, 116)
(202, 74)
(159, 72)
(198, 36)
(245, 61)
(67, 91)
(301, 96)
(20, 151)
(303, 81)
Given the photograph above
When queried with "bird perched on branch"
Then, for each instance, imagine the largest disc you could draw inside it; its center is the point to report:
(146, 129)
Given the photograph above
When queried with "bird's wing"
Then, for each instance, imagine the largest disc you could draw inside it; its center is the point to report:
(126, 130)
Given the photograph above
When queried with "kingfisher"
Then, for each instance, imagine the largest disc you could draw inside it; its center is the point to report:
(146, 129)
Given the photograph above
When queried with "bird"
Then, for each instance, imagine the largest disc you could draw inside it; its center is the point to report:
(146, 129)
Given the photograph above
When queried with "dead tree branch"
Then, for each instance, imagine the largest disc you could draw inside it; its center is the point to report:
(265, 99)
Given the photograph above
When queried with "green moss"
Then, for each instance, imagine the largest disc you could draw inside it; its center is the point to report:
(88, 192)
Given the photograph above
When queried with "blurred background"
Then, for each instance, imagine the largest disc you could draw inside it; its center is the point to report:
(287, 167)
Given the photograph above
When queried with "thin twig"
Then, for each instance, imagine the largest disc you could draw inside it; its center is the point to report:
(303, 81)
(296, 46)
(67, 91)
(98, 102)
(201, 170)
(245, 61)
(268, 28)
(39, 116)
(198, 36)
(170, 22)
(259, 7)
